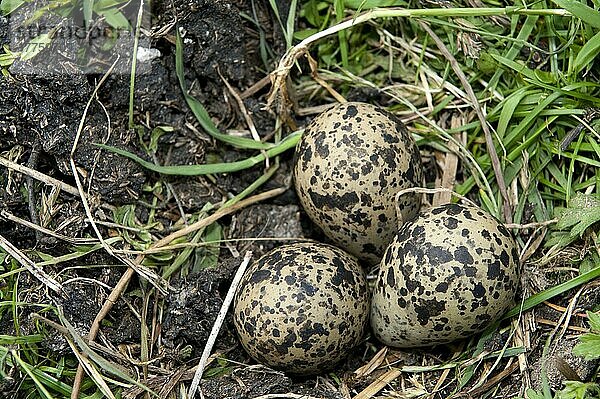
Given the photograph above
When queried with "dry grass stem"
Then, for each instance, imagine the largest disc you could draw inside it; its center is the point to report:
(212, 338)
(94, 345)
(492, 382)
(562, 309)
(280, 75)
(255, 88)
(314, 110)
(30, 265)
(552, 323)
(10, 217)
(375, 362)
(441, 380)
(242, 107)
(464, 153)
(315, 75)
(522, 338)
(245, 114)
(39, 176)
(497, 130)
(379, 383)
(450, 165)
(568, 314)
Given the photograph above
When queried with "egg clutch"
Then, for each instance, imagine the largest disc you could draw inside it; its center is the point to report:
(445, 273)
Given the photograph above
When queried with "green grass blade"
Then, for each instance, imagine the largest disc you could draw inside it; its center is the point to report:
(183, 256)
(342, 35)
(132, 73)
(115, 18)
(508, 109)
(19, 303)
(25, 339)
(254, 186)
(275, 9)
(522, 69)
(25, 367)
(579, 158)
(361, 5)
(88, 9)
(52, 382)
(199, 235)
(201, 113)
(8, 6)
(545, 295)
(225, 167)
(571, 169)
(99, 360)
(530, 140)
(559, 176)
(516, 133)
(526, 123)
(546, 390)
(291, 20)
(91, 370)
(207, 256)
(578, 90)
(79, 252)
(580, 10)
(595, 147)
(513, 51)
(588, 53)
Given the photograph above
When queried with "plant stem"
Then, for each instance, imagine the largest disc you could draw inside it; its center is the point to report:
(429, 12)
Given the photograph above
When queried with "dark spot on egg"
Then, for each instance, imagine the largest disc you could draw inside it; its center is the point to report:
(259, 276)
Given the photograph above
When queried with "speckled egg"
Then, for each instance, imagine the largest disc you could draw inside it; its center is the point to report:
(446, 275)
(348, 167)
(302, 307)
